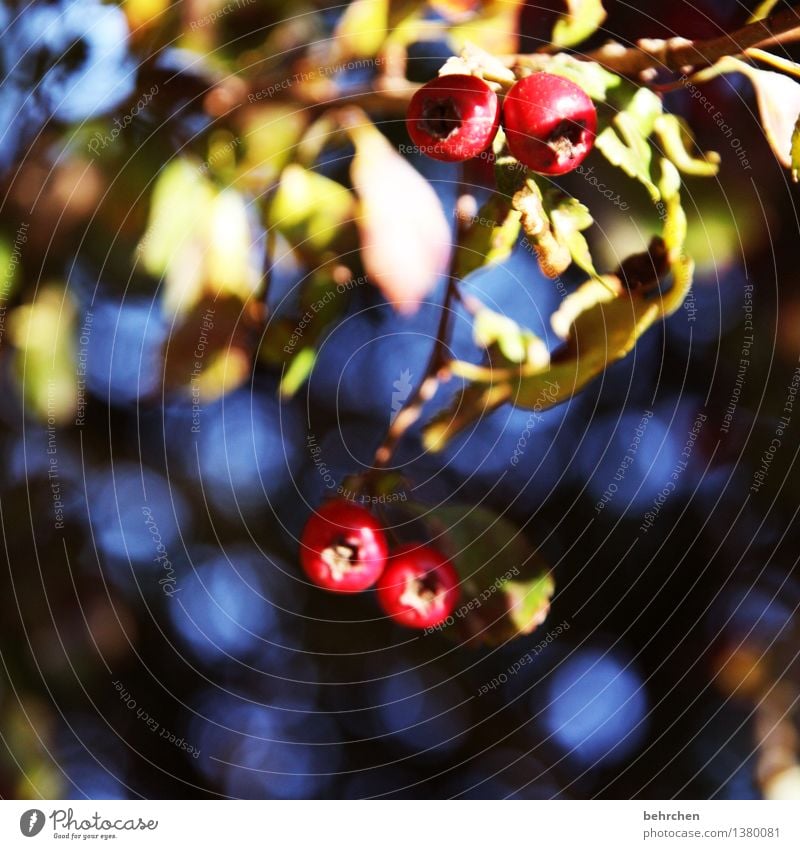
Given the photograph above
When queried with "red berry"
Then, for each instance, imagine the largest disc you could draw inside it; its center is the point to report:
(550, 123)
(343, 547)
(453, 117)
(419, 587)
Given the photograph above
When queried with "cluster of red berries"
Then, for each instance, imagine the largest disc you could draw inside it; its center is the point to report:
(549, 122)
(344, 549)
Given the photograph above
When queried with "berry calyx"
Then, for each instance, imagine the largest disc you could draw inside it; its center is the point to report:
(419, 587)
(550, 123)
(343, 548)
(453, 118)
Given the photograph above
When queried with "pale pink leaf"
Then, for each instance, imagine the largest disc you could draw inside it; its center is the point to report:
(405, 236)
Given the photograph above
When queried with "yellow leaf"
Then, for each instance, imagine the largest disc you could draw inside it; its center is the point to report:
(495, 28)
(582, 18)
(269, 133)
(675, 139)
(778, 99)
(600, 324)
(587, 296)
(182, 197)
(43, 333)
(796, 151)
(762, 10)
(310, 209)
(362, 28)
(230, 266)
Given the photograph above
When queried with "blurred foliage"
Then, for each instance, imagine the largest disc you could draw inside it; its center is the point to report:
(222, 270)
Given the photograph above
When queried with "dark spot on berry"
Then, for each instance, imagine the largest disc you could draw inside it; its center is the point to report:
(440, 117)
(566, 136)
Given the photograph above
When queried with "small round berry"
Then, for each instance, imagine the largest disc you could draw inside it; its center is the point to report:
(419, 587)
(343, 547)
(453, 118)
(550, 123)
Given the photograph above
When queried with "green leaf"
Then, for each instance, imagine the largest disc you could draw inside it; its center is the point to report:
(510, 175)
(676, 139)
(505, 585)
(642, 111)
(675, 221)
(570, 212)
(634, 161)
(529, 602)
(670, 182)
(582, 19)
(568, 217)
(600, 326)
(489, 238)
(674, 234)
(625, 143)
(552, 222)
(476, 399)
(583, 299)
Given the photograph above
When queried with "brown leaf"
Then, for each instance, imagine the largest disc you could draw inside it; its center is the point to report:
(554, 257)
(646, 269)
(210, 351)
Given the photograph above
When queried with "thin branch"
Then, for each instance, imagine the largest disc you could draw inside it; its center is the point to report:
(677, 54)
(384, 94)
(412, 409)
(439, 358)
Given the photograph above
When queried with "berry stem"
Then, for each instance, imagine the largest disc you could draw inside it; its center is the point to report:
(427, 387)
(412, 409)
